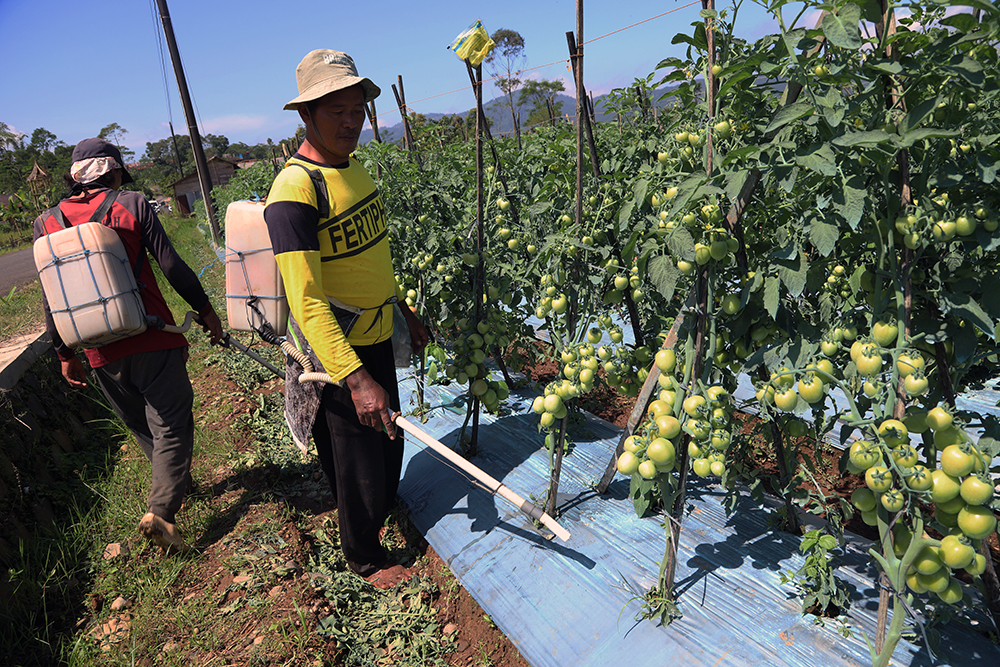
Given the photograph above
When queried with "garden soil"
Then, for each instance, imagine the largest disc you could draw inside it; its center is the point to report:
(471, 635)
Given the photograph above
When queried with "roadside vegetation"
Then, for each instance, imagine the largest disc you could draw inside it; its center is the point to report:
(268, 584)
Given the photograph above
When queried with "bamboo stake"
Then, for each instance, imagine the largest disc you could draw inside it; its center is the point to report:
(633, 312)
(492, 485)
(373, 119)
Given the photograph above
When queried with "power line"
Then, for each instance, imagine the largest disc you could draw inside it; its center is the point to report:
(163, 66)
(555, 62)
(651, 18)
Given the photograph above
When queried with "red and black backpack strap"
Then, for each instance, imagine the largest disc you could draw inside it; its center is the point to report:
(100, 213)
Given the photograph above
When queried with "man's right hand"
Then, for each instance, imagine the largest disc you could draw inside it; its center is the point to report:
(371, 401)
(73, 371)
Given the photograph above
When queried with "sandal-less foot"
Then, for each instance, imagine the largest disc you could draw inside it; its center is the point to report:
(163, 534)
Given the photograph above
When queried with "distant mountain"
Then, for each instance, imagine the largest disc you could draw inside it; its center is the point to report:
(499, 114)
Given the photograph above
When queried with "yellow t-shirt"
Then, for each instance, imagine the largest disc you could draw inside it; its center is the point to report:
(344, 255)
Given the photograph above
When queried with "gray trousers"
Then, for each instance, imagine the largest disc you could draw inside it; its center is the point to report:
(151, 393)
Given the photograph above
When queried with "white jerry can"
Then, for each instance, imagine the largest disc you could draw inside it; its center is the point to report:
(255, 292)
(90, 285)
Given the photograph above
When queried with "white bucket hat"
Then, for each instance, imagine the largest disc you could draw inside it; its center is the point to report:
(324, 71)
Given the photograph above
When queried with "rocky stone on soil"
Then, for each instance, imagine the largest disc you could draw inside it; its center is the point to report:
(115, 550)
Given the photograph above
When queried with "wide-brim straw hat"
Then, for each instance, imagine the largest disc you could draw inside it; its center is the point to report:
(324, 71)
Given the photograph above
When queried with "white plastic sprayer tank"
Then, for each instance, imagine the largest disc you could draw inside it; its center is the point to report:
(254, 289)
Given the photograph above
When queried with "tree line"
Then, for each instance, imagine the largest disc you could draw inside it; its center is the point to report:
(161, 164)
(168, 160)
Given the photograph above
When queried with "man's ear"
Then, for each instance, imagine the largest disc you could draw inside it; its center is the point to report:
(304, 113)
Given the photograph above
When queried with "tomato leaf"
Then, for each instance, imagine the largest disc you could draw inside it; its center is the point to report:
(915, 117)
(681, 244)
(966, 68)
(965, 342)
(641, 490)
(965, 307)
(789, 114)
(793, 274)
(842, 28)
(741, 154)
(863, 138)
(734, 184)
(663, 273)
(947, 176)
(731, 80)
(986, 167)
(907, 139)
(850, 200)
(883, 66)
(823, 236)
(772, 291)
(819, 159)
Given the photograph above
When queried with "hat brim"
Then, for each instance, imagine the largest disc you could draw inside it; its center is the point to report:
(126, 177)
(332, 85)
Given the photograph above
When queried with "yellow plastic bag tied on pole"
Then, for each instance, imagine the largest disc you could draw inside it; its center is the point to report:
(474, 44)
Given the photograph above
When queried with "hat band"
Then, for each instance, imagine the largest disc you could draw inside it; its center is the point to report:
(90, 169)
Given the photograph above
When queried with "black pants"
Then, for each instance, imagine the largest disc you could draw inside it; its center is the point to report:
(361, 464)
(152, 394)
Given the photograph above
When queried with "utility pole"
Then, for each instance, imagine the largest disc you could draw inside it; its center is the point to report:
(177, 151)
(204, 179)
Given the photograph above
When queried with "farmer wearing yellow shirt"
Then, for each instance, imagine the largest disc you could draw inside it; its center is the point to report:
(325, 217)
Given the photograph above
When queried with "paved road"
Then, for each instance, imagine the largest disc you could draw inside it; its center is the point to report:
(16, 268)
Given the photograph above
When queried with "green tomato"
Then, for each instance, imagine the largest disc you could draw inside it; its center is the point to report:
(647, 469)
(935, 582)
(977, 490)
(893, 500)
(661, 451)
(869, 364)
(894, 432)
(952, 594)
(915, 384)
(667, 426)
(978, 565)
(919, 479)
(693, 404)
(958, 460)
(885, 333)
(938, 418)
(878, 478)
(927, 561)
(909, 362)
(906, 456)
(915, 421)
(628, 463)
(864, 499)
(977, 521)
(864, 454)
(665, 360)
(810, 388)
(731, 304)
(914, 584)
(944, 487)
(786, 399)
(956, 552)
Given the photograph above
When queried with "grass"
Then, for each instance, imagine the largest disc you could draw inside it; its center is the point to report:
(21, 310)
(11, 240)
(215, 607)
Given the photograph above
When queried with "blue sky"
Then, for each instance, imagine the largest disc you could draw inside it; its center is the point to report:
(73, 68)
